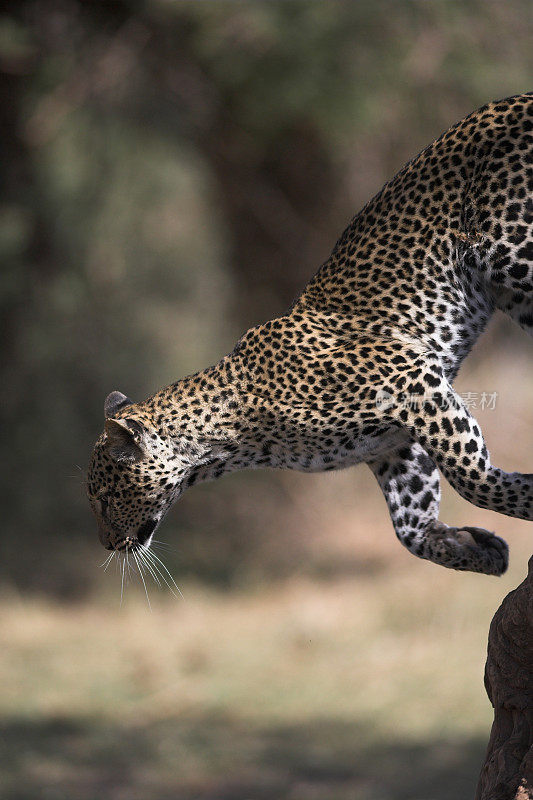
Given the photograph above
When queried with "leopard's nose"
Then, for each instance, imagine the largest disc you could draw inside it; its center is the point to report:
(105, 536)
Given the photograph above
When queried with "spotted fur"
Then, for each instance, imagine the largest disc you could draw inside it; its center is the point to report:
(360, 369)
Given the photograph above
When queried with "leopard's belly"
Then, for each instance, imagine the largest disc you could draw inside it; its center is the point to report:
(362, 449)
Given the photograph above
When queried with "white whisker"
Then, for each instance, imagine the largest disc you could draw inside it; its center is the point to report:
(167, 584)
(144, 561)
(122, 581)
(142, 578)
(149, 554)
(162, 545)
(107, 561)
(150, 563)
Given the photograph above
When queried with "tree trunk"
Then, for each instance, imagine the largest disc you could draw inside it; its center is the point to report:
(507, 773)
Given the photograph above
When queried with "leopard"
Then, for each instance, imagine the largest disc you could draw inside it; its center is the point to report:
(360, 368)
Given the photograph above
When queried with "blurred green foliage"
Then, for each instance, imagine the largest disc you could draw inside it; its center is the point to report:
(173, 173)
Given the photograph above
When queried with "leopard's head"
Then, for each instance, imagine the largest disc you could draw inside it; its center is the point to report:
(135, 474)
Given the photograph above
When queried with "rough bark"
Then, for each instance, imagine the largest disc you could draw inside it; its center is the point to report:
(507, 773)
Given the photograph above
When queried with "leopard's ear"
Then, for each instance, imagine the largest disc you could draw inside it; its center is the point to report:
(114, 402)
(124, 439)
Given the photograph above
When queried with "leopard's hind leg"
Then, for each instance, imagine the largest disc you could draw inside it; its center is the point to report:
(410, 482)
(498, 220)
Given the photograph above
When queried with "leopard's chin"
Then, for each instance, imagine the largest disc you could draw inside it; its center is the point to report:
(146, 531)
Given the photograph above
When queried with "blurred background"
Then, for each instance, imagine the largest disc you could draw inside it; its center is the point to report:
(173, 173)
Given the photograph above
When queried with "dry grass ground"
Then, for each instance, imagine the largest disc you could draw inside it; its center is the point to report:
(352, 689)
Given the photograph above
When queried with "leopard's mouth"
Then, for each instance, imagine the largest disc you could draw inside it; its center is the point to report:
(142, 539)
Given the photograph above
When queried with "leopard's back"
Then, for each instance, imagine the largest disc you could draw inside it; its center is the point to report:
(430, 255)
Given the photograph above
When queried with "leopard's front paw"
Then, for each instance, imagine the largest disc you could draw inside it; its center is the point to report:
(471, 549)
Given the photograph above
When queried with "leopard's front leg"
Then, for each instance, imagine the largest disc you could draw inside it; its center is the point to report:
(410, 482)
